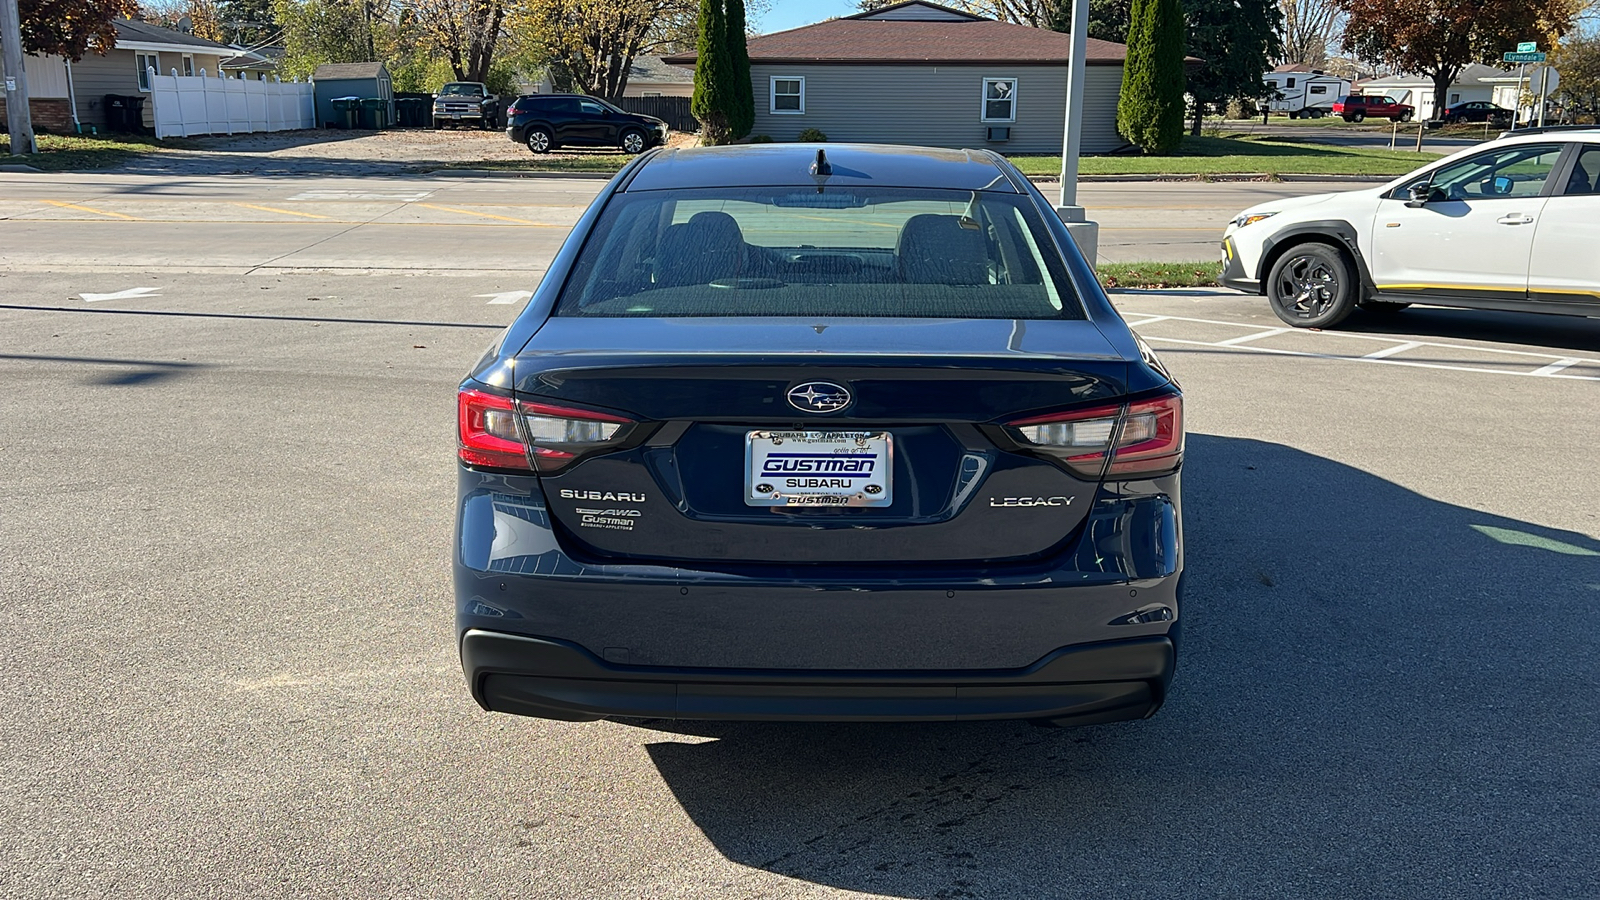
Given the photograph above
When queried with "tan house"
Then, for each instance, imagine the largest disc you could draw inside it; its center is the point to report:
(920, 73)
(64, 95)
(651, 76)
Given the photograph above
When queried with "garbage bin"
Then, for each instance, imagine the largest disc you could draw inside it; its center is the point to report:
(344, 111)
(124, 114)
(416, 112)
(374, 112)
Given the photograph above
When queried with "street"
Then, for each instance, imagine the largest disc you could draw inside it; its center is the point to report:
(228, 664)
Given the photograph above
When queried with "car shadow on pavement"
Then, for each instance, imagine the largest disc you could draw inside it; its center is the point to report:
(1378, 694)
(1540, 332)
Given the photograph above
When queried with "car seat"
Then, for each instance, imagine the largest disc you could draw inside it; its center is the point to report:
(936, 249)
(706, 248)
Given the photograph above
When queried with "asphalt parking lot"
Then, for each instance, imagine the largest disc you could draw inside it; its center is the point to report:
(228, 666)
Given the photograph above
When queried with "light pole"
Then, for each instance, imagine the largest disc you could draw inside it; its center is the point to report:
(1085, 234)
(18, 120)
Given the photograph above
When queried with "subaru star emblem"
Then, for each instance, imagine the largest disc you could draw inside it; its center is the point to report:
(819, 397)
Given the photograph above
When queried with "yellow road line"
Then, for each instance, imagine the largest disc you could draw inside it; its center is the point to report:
(287, 212)
(65, 205)
(468, 212)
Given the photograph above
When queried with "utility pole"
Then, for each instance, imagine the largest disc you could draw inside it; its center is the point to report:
(18, 119)
(1084, 233)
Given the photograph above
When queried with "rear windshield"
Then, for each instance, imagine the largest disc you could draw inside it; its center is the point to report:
(795, 251)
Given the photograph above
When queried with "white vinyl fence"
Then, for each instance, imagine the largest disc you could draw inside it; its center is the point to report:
(182, 105)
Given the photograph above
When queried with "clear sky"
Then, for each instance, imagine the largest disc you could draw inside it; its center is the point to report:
(787, 14)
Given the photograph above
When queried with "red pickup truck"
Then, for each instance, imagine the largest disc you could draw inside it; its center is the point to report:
(1355, 107)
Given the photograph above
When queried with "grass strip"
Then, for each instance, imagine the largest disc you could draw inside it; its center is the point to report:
(74, 152)
(1158, 274)
(1242, 155)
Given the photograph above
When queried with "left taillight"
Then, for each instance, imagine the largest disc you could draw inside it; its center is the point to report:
(1148, 437)
(500, 433)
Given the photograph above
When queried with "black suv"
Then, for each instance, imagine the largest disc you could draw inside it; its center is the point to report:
(545, 122)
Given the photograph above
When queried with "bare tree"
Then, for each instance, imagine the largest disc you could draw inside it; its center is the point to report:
(1310, 29)
(465, 31)
(592, 44)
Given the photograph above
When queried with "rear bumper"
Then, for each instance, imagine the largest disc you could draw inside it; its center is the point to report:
(1081, 685)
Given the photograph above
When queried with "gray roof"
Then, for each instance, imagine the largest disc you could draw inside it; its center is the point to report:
(145, 33)
(652, 70)
(342, 71)
(1474, 73)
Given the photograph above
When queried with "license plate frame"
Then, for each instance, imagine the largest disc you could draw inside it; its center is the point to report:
(815, 455)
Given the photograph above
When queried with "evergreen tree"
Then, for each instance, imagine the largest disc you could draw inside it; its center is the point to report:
(1237, 39)
(742, 105)
(713, 75)
(1150, 108)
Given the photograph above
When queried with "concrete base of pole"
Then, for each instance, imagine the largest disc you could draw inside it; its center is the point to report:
(1085, 234)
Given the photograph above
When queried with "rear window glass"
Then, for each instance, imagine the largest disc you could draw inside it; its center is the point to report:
(795, 251)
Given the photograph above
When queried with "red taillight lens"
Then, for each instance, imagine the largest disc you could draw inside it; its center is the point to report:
(486, 432)
(498, 432)
(1149, 437)
(1152, 438)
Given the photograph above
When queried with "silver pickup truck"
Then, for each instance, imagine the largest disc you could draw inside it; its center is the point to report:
(466, 103)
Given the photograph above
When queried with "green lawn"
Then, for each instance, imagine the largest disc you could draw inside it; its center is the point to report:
(66, 152)
(1241, 155)
(1159, 274)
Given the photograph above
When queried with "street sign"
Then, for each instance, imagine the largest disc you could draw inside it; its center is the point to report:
(1523, 57)
(1528, 47)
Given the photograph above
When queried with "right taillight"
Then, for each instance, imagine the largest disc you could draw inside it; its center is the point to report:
(501, 433)
(1148, 437)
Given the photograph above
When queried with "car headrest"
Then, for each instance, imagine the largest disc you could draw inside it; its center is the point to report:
(1579, 182)
(707, 247)
(936, 249)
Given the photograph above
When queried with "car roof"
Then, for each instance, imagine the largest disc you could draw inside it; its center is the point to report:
(865, 165)
(1584, 133)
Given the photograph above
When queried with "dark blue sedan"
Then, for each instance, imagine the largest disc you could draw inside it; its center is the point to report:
(849, 435)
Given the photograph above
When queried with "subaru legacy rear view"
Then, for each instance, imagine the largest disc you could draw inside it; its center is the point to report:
(849, 435)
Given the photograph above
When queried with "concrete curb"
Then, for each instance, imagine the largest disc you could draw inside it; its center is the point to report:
(512, 173)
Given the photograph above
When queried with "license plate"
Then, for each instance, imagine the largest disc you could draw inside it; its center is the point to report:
(818, 468)
(455, 115)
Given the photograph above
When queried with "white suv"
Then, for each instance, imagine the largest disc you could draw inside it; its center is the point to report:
(1511, 224)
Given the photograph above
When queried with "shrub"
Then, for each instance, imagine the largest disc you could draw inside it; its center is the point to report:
(763, 139)
(812, 135)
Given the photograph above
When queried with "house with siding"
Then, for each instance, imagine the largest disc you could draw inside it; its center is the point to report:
(920, 73)
(64, 94)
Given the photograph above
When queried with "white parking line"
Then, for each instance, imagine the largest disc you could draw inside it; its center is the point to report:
(1402, 347)
(1234, 342)
(1557, 366)
(1554, 368)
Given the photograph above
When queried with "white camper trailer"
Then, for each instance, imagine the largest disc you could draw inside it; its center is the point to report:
(1304, 94)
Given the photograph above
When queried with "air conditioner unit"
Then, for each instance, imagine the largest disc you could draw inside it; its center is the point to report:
(999, 133)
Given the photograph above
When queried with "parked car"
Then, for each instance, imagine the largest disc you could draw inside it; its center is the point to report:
(1511, 225)
(545, 122)
(1478, 111)
(1357, 107)
(466, 103)
(842, 434)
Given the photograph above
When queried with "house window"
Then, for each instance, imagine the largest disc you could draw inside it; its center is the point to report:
(1454, 99)
(999, 100)
(188, 64)
(788, 95)
(648, 94)
(145, 62)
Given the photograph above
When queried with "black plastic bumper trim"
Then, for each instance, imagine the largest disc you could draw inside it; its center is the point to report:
(552, 679)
